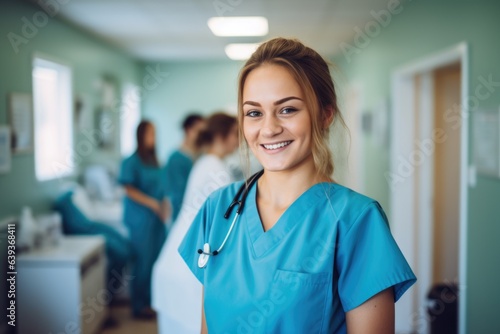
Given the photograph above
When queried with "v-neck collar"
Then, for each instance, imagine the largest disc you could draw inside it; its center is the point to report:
(262, 241)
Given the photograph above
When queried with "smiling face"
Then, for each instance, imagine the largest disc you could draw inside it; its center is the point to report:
(276, 120)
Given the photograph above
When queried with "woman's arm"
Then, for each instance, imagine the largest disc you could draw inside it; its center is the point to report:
(204, 329)
(375, 316)
(141, 198)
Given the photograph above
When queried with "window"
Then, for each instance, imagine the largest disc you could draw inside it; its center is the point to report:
(53, 119)
(130, 118)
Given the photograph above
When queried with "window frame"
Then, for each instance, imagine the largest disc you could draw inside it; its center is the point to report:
(133, 98)
(65, 163)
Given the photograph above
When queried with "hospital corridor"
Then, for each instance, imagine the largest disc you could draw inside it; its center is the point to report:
(249, 166)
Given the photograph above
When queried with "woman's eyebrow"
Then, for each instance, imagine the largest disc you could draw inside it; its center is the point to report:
(287, 99)
(252, 103)
(280, 101)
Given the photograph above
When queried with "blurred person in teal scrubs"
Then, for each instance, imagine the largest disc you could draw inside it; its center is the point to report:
(145, 211)
(181, 161)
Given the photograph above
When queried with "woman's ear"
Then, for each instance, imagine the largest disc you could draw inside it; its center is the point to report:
(329, 114)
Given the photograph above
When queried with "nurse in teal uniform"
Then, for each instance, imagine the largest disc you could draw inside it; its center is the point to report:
(181, 161)
(306, 254)
(145, 211)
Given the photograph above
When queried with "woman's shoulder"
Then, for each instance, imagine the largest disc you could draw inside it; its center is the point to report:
(227, 192)
(221, 198)
(349, 197)
(351, 204)
(179, 157)
(132, 159)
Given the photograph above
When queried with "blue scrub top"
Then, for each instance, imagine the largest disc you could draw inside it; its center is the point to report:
(329, 252)
(177, 171)
(147, 179)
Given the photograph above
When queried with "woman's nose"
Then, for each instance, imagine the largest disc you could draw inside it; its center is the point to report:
(271, 126)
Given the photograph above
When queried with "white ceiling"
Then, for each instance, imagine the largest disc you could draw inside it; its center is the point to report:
(177, 29)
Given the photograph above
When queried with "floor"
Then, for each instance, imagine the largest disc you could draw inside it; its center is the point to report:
(129, 325)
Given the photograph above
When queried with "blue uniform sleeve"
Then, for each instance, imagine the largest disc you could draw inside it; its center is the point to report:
(165, 183)
(177, 170)
(195, 239)
(168, 181)
(369, 260)
(127, 172)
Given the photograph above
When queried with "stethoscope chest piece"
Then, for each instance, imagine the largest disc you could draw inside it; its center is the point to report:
(243, 192)
(203, 258)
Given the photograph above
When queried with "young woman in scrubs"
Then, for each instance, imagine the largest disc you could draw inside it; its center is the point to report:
(307, 255)
(145, 211)
(176, 292)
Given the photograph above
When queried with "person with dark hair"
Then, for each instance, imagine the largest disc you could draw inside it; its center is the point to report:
(176, 293)
(180, 162)
(291, 250)
(145, 212)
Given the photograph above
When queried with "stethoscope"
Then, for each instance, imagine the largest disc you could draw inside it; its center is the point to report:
(243, 193)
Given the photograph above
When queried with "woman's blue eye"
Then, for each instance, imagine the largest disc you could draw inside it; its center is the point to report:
(253, 113)
(288, 110)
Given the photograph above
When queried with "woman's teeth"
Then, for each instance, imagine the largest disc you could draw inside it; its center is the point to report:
(276, 146)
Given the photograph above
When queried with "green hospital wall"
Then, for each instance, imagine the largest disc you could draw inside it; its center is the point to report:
(423, 28)
(202, 86)
(89, 59)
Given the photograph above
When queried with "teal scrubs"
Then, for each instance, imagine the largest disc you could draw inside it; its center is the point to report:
(329, 252)
(177, 171)
(146, 230)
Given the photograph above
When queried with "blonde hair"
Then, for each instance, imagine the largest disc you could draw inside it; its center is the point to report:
(312, 74)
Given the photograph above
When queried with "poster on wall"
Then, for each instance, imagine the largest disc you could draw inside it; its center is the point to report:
(4, 149)
(21, 122)
(486, 131)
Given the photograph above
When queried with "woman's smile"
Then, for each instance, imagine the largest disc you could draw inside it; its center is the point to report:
(276, 146)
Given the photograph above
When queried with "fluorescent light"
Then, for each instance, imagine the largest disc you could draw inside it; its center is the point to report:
(239, 26)
(240, 51)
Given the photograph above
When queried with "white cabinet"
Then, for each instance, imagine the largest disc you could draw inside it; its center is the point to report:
(62, 289)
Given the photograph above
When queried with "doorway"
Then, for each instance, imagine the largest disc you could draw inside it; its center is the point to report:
(428, 179)
(446, 180)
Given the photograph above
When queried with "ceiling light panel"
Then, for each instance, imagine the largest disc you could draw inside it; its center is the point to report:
(241, 51)
(239, 26)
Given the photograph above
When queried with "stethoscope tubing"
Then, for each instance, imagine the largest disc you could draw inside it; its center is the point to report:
(205, 253)
(228, 233)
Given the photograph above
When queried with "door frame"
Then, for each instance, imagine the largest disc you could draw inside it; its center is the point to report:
(403, 198)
